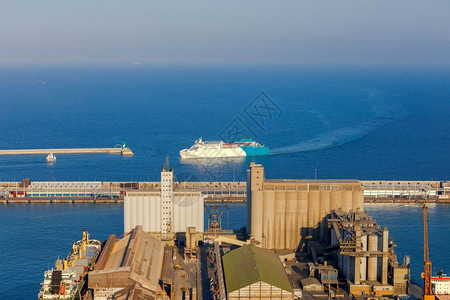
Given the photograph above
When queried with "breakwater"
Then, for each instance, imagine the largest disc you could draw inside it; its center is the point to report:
(116, 150)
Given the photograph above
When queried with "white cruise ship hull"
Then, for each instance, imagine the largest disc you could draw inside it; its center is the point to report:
(208, 152)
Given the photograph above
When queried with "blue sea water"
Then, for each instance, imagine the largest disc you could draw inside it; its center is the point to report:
(378, 123)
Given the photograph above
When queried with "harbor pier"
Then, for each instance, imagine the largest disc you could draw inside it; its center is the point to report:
(28, 191)
(118, 150)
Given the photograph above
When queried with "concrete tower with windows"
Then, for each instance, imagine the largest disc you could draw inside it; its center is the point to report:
(166, 198)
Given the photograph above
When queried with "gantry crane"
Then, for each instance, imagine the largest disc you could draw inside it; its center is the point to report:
(427, 292)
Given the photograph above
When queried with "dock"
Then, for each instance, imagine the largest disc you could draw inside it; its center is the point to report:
(118, 150)
(28, 191)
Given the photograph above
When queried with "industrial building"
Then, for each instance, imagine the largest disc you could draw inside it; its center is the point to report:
(131, 265)
(311, 284)
(254, 273)
(140, 266)
(164, 211)
(364, 255)
(281, 213)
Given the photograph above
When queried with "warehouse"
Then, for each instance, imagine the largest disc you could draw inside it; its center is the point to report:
(132, 264)
(283, 212)
(255, 273)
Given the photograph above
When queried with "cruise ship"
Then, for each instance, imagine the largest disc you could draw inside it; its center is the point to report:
(240, 148)
(67, 280)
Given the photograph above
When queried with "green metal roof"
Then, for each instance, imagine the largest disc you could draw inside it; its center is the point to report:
(249, 264)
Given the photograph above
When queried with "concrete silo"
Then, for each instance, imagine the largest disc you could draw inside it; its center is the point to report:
(347, 200)
(268, 220)
(325, 202)
(280, 229)
(372, 265)
(364, 259)
(336, 200)
(292, 229)
(324, 210)
(302, 210)
(257, 214)
(282, 212)
(358, 201)
(313, 210)
(164, 211)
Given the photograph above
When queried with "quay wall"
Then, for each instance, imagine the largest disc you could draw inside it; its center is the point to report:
(229, 191)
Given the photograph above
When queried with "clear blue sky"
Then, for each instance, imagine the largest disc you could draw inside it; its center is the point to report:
(61, 32)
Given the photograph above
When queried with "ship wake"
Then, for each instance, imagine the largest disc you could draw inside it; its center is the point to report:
(380, 109)
(328, 139)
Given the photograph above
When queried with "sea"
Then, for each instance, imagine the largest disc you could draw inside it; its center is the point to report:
(368, 123)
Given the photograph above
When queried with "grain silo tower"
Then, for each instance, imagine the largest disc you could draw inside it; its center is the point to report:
(281, 212)
(163, 210)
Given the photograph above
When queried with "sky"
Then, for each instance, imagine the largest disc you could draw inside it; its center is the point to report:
(55, 32)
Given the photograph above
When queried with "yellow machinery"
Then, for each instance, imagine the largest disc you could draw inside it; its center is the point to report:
(75, 251)
(84, 242)
(427, 292)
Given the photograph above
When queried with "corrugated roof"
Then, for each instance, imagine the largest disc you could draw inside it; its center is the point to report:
(249, 264)
(137, 257)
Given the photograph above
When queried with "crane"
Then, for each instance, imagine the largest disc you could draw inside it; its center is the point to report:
(427, 292)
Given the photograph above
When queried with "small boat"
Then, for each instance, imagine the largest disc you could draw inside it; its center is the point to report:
(51, 158)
